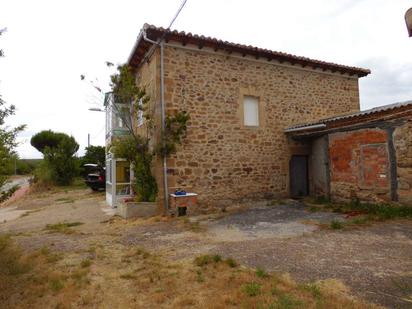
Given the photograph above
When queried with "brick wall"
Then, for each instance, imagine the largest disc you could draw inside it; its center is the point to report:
(359, 165)
(220, 158)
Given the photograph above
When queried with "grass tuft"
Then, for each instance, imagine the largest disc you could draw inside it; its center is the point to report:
(252, 289)
(286, 301)
(231, 262)
(261, 273)
(86, 263)
(203, 260)
(56, 284)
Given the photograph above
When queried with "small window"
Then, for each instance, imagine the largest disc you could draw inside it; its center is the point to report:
(251, 111)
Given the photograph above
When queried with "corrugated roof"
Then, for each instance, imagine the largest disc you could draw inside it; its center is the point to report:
(371, 111)
(154, 33)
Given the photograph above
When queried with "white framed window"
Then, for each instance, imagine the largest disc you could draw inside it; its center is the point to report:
(140, 113)
(250, 111)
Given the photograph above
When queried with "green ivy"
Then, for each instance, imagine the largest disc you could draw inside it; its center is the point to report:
(135, 148)
(175, 130)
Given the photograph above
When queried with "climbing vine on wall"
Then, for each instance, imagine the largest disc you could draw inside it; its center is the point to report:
(135, 148)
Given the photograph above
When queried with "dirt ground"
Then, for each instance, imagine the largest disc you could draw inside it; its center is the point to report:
(374, 261)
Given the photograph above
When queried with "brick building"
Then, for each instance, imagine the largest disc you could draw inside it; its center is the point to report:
(240, 100)
(365, 155)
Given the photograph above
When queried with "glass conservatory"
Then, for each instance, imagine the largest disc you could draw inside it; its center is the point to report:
(118, 171)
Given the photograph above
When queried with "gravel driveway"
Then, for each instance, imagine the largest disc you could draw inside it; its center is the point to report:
(373, 261)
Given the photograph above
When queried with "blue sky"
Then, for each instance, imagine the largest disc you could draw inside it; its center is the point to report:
(49, 44)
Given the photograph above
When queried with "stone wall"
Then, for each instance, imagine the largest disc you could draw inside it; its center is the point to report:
(402, 138)
(359, 165)
(221, 159)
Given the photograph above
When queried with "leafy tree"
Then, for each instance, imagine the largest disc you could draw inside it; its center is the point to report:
(8, 141)
(95, 154)
(58, 150)
(47, 138)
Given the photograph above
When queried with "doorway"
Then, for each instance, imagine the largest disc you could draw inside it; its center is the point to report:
(299, 176)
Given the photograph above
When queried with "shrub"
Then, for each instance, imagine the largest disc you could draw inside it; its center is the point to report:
(5, 195)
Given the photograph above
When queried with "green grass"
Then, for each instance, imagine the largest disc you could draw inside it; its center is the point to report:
(286, 301)
(369, 212)
(252, 289)
(261, 273)
(62, 227)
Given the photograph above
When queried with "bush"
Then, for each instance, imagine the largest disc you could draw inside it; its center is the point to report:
(5, 195)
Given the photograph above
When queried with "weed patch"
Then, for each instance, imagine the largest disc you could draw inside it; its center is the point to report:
(252, 289)
(12, 262)
(261, 273)
(231, 262)
(56, 284)
(203, 260)
(286, 301)
(63, 227)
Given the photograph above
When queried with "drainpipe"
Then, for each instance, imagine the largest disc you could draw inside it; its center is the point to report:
(163, 115)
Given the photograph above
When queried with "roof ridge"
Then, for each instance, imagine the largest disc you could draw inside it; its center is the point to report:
(291, 57)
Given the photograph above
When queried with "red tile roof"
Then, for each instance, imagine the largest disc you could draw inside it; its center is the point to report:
(156, 33)
(385, 112)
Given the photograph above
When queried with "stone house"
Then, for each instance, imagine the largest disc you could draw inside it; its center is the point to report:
(240, 100)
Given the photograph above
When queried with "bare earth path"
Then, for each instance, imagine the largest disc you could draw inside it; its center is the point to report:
(374, 261)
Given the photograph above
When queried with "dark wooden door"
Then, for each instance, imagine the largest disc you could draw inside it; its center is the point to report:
(299, 183)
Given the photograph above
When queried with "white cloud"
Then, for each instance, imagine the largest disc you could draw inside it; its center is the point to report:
(50, 43)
